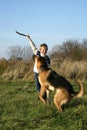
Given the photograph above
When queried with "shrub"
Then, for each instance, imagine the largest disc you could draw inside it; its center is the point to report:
(3, 65)
(72, 69)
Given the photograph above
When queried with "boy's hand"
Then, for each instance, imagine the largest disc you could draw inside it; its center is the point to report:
(28, 36)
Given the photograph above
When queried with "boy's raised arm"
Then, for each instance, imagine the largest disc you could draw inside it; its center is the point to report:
(31, 42)
(33, 46)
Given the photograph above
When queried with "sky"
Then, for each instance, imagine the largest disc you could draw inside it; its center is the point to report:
(46, 21)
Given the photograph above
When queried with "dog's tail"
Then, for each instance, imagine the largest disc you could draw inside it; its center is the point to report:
(80, 93)
(81, 90)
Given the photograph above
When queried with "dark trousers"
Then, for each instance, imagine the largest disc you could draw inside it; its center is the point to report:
(38, 86)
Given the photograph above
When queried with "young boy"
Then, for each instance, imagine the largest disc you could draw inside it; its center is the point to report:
(42, 52)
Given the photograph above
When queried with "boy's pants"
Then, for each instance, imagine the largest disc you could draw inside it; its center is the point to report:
(37, 82)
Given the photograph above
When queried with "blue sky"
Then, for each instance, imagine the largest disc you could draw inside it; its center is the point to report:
(48, 21)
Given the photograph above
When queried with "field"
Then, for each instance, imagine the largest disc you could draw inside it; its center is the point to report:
(20, 109)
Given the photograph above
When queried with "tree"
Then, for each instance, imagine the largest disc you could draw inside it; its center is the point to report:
(72, 49)
(27, 53)
(17, 52)
(84, 46)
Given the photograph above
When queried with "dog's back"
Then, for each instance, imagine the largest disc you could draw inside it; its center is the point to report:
(57, 80)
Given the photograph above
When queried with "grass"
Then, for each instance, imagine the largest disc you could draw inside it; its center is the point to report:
(20, 109)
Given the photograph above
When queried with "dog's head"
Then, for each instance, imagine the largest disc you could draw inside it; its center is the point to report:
(40, 61)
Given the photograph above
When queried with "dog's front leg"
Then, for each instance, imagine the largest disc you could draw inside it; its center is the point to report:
(42, 93)
(48, 96)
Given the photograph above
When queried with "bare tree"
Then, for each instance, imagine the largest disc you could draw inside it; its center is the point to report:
(27, 53)
(72, 49)
(17, 52)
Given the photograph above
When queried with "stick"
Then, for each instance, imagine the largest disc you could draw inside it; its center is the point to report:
(21, 34)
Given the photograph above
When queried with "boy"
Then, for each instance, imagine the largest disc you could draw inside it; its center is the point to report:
(42, 52)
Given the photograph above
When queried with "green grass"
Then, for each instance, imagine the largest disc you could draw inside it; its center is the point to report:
(20, 109)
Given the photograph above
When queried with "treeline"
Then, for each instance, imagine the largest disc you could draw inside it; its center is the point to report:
(71, 49)
(68, 59)
(18, 52)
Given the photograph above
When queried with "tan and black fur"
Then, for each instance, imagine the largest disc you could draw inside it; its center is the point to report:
(51, 81)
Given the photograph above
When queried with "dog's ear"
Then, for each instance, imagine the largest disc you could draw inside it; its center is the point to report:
(33, 57)
(36, 57)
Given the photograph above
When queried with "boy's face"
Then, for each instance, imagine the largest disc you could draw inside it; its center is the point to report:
(43, 51)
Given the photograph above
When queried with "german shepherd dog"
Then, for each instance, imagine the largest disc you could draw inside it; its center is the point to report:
(50, 81)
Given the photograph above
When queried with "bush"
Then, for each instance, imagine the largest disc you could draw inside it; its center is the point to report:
(72, 69)
(3, 65)
(18, 69)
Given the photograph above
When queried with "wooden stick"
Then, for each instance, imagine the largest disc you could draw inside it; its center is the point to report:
(21, 34)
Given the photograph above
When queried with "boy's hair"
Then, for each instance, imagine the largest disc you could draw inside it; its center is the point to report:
(44, 45)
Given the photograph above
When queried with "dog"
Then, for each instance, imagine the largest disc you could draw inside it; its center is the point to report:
(50, 80)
